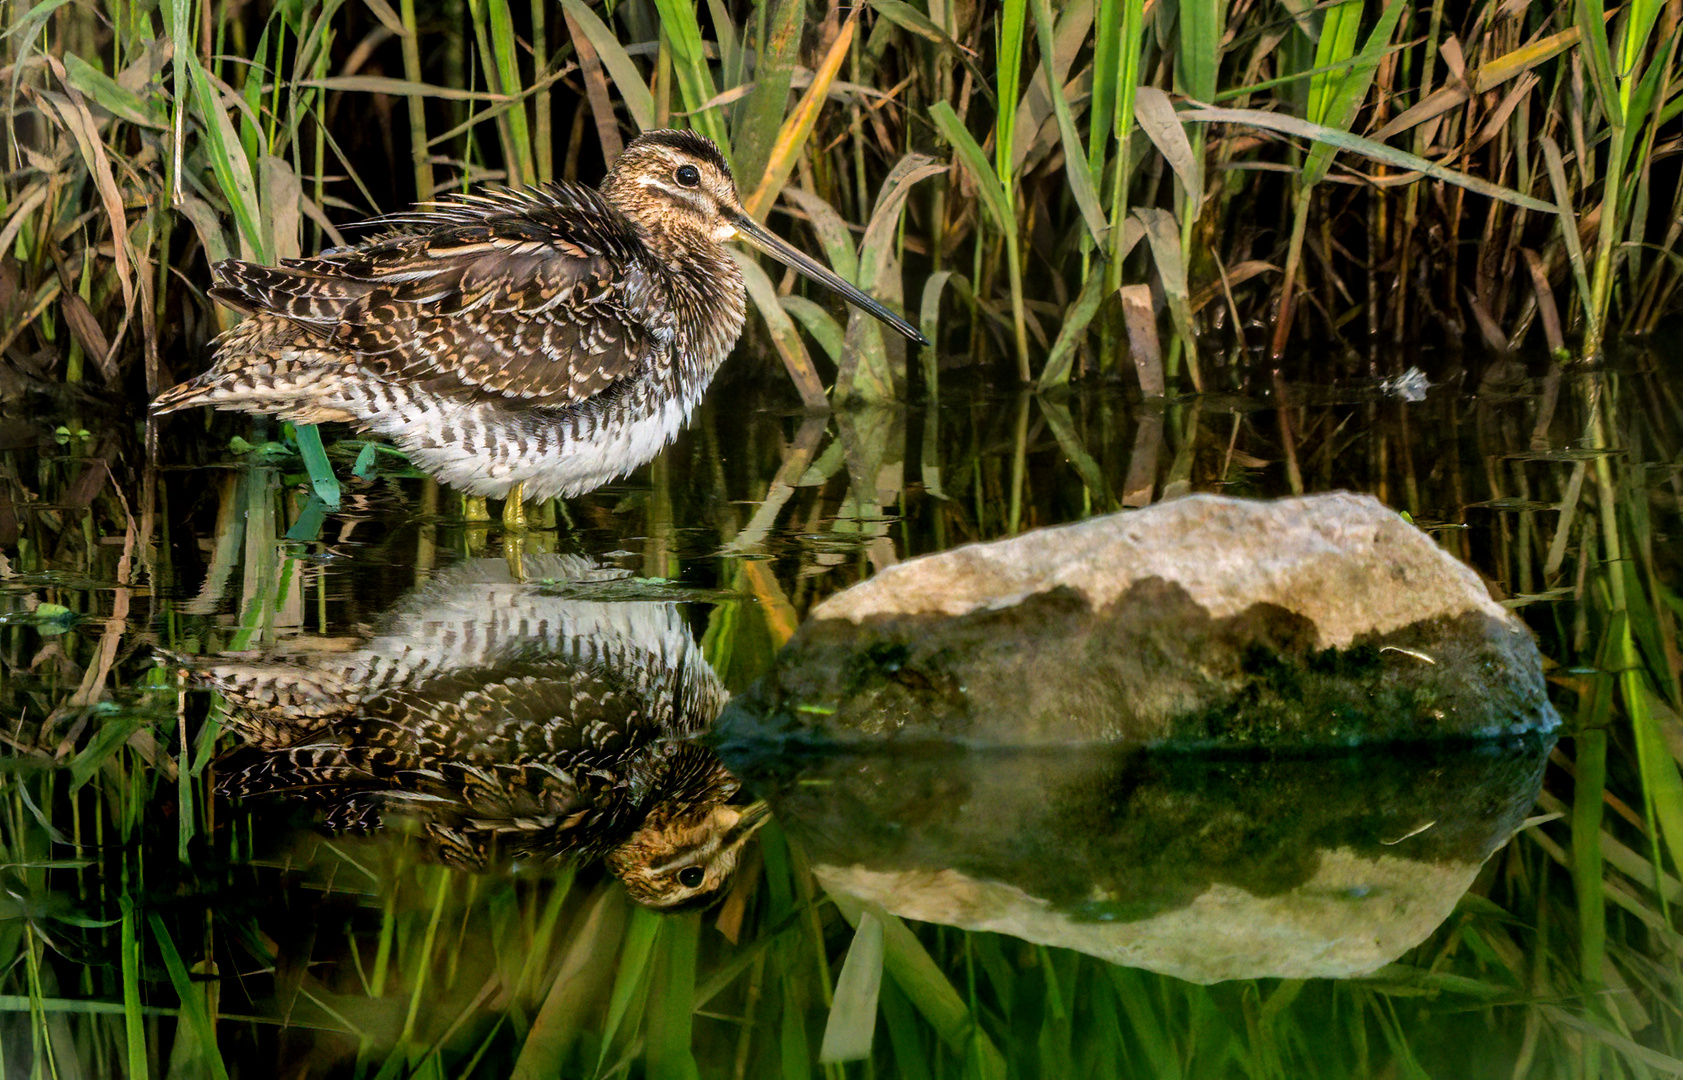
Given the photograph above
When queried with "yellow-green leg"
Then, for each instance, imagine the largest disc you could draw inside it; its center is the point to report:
(514, 531)
(477, 518)
(514, 508)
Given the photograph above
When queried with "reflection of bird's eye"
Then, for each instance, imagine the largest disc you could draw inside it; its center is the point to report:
(687, 175)
(691, 876)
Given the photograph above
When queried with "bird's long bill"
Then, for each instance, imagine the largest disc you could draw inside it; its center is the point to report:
(767, 241)
(748, 822)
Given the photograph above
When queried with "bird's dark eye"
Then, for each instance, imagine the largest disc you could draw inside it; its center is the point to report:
(691, 876)
(688, 175)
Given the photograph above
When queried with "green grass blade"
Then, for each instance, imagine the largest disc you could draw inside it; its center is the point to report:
(1335, 98)
(141, 111)
(1075, 322)
(1385, 155)
(229, 164)
(918, 976)
(364, 467)
(672, 1000)
(1661, 783)
(832, 231)
(628, 973)
(784, 336)
(853, 1015)
(1131, 46)
(1587, 794)
(976, 163)
(1107, 72)
(761, 114)
(1568, 223)
(408, 31)
(1076, 167)
(639, 102)
(523, 169)
(911, 1057)
(307, 528)
(818, 322)
(195, 1016)
(875, 376)
(1340, 28)
(689, 63)
(929, 319)
(134, 1028)
(322, 480)
(1009, 29)
(1198, 61)
(997, 199)
(1590, 17)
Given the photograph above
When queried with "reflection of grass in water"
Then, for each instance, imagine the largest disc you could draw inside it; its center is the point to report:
(1562, 962)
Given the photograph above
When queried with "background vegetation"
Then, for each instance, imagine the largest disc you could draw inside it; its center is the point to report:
(1341, 172)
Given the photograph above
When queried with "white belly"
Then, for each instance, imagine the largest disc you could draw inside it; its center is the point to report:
(485, 449)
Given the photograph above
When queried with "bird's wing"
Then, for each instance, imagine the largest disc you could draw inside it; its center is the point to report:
(542, 295)
(554, 711)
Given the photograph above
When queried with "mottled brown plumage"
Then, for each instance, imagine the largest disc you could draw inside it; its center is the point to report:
(507, 725)
(555, 337)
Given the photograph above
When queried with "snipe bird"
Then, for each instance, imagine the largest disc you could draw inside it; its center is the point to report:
(506, 725)
(554, 338)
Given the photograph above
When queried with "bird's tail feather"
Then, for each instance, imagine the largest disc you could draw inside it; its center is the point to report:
(267, 364)
(302, 396)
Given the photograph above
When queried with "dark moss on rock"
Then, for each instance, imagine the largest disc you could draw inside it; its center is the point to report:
(1151, 667)
(1206, 621)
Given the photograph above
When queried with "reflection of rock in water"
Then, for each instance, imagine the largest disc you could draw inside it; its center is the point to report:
(508, 723)
(1207, 867)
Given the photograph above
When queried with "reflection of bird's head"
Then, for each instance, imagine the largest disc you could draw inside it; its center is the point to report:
(684, 861)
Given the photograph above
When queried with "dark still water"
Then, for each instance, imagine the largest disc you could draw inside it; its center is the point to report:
(394, 789)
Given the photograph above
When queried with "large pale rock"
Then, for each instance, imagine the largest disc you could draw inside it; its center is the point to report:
(1206, 621)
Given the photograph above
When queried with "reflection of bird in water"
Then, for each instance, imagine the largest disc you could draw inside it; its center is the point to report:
(552, 338)
(508, 724)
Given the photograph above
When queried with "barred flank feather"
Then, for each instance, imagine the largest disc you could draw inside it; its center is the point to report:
(507, 724)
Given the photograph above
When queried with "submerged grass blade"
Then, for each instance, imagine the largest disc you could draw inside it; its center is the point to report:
(672, 1000)
(628, 975)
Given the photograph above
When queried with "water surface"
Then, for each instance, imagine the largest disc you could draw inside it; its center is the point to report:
(148, 915)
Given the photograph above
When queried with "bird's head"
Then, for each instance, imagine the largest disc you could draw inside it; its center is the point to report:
(685, 861)
(678, 184)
